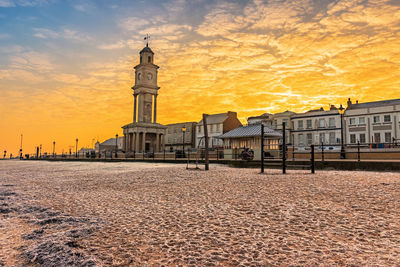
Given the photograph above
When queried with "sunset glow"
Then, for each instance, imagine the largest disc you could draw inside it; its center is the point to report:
(66, 67)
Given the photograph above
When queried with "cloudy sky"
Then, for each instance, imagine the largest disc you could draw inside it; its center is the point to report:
(66, 66)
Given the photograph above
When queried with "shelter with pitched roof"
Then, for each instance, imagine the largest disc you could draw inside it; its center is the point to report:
(243, 137)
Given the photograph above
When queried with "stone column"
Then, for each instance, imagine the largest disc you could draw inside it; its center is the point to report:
(143, 141)
(155, 109)
(125, 140)
(137, 135)
(157, 142)
(134, 107)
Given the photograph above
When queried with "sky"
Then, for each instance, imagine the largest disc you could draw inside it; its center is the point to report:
(66, 66)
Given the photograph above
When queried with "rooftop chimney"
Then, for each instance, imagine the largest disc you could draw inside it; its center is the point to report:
(349, 103)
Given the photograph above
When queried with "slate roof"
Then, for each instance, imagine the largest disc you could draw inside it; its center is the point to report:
(375, 104)
(215, 118)
(109, 142)
(249, 131)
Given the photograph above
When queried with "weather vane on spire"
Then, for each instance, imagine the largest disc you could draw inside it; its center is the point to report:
(147, 38)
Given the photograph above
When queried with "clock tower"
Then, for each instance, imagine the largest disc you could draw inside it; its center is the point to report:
(145, 134)
(145, 90)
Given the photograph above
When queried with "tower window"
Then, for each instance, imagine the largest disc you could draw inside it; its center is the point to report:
(149, 59)
(140, 59)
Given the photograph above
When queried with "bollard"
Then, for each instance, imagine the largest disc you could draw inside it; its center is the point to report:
(284, 148)
(312, 159)
(262, 148)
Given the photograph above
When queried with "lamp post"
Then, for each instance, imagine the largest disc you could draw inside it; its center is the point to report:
(54, 148)
(342, 152)
(183, 140)
(40, 151)
(5, 153)
(20, 149)
(76, 148)
(116, 145)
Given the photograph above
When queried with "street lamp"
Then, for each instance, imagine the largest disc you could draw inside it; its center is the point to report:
(40, 151)
(183, 140)
(116, 145)
(341, 112)
(76, 148)
(5, 153)
(54, 148)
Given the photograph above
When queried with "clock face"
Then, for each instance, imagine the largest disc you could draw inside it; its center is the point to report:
(139, 76)
(149, 76)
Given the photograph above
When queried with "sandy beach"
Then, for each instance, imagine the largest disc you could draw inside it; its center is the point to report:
(143, 214)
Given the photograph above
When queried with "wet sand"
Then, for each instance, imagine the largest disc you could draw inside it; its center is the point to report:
(138, 214)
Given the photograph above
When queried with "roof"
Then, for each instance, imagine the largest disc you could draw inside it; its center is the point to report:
(262, 116)
(375, 104)
(249, 131)
(110, 142)
(146, 49)
(215, 118)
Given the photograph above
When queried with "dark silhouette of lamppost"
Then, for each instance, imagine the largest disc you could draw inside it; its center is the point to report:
(183, 141)
(76, 148)
(342, 152)
(20, 149)
(116, 145)
(5, 154)
(54, 148)
(40, 151)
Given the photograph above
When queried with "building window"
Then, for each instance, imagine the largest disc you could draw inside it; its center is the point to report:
(301, 141)
(199, 129)
(353, 138)
(321, 138)
(386, 118)
(309, 139)
(332, 122)
(377, 137)
(321, 123)
(332, 138)
(300, 124)
(309, 124)
(218, 127)
(174, 130)
(376, 119)
(388, 137)
(149, 59)
(352, 121)
(361, 120)
(362, 138)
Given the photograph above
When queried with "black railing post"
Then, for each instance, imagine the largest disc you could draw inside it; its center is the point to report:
(312, 159)
(358, 151)
(323, 155)
(262, 148)
(164, 154)
(284, 148)
(293, 149)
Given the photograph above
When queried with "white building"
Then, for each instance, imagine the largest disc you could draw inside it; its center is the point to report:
(217, 124)
(316, 127)
(373, 122)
